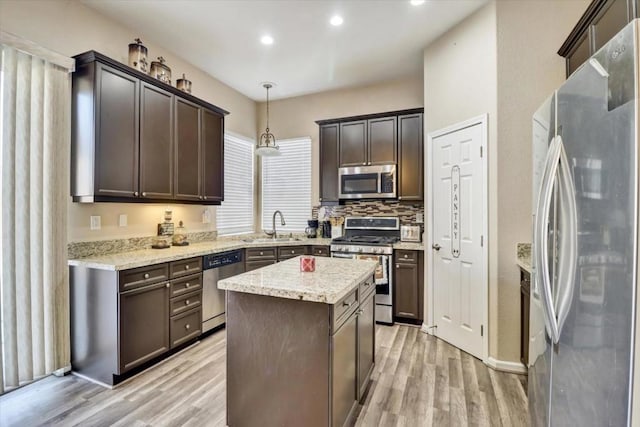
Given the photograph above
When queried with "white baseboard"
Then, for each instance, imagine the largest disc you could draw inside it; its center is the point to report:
(503, 365)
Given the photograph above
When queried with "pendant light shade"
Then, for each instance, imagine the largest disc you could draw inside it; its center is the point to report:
(267, 142)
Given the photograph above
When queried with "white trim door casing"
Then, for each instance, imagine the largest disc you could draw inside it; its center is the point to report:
(457, 231)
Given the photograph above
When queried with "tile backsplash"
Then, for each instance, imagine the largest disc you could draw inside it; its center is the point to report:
(406, 212)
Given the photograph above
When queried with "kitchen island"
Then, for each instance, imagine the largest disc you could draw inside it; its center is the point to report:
(300, 346)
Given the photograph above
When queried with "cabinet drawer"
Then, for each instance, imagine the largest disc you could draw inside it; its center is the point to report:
(137, 277)
(254, 265)
(185, 302)
(256, 254)
(320, 251)
(186, 285)
(366, 288)
(343, 308)
(185, 327)
(287, 252)
(185, 267)
(406, 256)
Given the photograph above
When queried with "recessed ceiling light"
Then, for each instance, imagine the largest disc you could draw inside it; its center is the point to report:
(336, 20)
(266, 40)
(416, 2)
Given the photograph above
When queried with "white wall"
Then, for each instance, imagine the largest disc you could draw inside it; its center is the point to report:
(502, 61)
(69, 27)
(460, 82)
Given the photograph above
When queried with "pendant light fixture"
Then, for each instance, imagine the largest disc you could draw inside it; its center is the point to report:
(267, 142)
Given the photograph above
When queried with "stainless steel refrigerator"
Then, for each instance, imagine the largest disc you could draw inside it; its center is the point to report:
(584, 252)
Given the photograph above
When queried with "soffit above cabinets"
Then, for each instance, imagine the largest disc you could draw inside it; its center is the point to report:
(379, 40)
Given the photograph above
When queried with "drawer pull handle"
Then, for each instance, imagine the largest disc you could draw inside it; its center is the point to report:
(261, 253)
(348, 304)
(146, 275)
(186, 302)
(397, 265)
(293, 252)
(186, 267)
(187, 326)
(367, 283)
(405, 255)
(186, 285)
(359, 312)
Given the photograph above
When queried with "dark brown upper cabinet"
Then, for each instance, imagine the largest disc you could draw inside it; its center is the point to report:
(156, 142)
(375, 139)
(188, 168)
(116, 146)
(353, 143)
(602, 20)
(212, 156)
(368, 142)
(329, 163)
(383, 144)
(410, 166)
(136, 139)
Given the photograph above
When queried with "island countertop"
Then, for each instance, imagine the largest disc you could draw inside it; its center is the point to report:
(333, 279)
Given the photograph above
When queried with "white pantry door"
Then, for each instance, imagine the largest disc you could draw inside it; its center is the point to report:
(459, 282)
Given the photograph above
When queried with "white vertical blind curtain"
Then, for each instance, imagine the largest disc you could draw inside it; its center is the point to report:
(235, 215)
(286, 185)
(35, 114)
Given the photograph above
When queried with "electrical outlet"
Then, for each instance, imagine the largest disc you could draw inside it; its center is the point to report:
(206, 216)
(95, 222)
(122, 220)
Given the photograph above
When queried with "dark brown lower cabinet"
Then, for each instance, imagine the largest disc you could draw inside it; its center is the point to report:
(408, 285)
(366, 342)
(344, 374)
(525, 289)
(320, 251)
(144, 330)
(123, 321)
(254, 265)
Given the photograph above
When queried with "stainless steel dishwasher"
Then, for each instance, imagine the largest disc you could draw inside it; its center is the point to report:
(217, 267)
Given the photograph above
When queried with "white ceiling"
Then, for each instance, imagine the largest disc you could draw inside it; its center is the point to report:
(379, 40)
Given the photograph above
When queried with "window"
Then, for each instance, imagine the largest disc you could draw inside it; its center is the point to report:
(286, 185)
(235, 215)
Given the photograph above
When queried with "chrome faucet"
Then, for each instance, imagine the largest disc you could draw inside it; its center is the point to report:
(273, 232)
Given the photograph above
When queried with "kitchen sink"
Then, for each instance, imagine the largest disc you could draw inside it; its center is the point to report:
(272, 240)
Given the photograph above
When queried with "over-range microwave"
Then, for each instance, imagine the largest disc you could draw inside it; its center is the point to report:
(368, 182)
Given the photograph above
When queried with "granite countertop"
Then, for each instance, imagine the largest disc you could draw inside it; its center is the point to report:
(523, 256)
(411, 246)
(142, 257)
(333, 279)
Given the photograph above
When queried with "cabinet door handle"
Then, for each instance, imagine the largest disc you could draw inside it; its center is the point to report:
(405, 255)
(186, 302)
(186, 267)
(167, 285)
(293, 252)
(359, 312)
(144, 194)
(397, 265)
(261, 253)
(135, 193)
(187, 326)
(146, 275)
(186, 285)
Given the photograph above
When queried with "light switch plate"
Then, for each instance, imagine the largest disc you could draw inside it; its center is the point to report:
(122, 220)
(206, 216)
(95, 222)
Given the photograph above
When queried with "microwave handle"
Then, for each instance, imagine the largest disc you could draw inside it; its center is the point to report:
(379, 182)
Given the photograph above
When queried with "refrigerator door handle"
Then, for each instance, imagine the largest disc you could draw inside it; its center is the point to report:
(567, 238)
(541, 248)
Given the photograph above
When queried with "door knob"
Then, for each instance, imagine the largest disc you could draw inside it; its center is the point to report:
(436, 247)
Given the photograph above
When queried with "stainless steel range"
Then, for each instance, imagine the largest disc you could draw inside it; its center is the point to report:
(372, 238)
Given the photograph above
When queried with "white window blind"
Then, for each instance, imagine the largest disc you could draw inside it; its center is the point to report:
(235, 215)
(286, 185)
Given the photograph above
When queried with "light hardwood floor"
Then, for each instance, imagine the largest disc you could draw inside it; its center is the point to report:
(418, 381)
